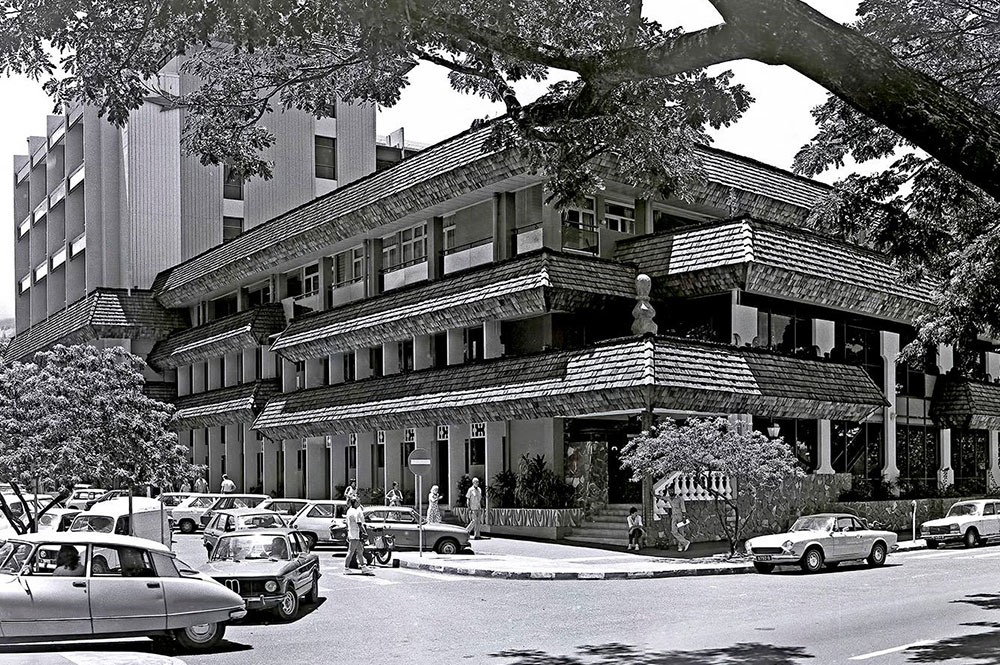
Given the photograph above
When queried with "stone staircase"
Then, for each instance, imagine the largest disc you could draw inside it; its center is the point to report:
(608, 526)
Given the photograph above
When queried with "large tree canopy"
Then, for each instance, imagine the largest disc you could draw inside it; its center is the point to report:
(908, 74)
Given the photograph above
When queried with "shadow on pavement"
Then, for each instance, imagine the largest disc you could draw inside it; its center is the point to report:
(265, 618)
(614, 653)
(136, 646)
(983, 647)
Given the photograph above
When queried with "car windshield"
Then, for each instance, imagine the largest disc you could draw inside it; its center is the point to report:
(963, 509)
(98, 523)
(252, 546)
(171, 500)
(813, 523)
(263, 521)
(12, 556)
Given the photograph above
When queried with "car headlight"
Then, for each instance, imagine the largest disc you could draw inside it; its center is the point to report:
(787, 545)
(924, 528)
(749, 548)
(271, 586)
(953, 528)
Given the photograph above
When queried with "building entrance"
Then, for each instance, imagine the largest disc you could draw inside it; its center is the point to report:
(621, 488)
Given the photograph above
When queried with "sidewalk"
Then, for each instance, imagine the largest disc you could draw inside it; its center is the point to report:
(507, 558)
(35, 654)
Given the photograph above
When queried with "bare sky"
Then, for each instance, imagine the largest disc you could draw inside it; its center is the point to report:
(771, 131)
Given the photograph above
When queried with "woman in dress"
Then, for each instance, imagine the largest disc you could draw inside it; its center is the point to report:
(433, 510)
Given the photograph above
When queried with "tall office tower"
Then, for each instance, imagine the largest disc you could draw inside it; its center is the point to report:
(101, 207)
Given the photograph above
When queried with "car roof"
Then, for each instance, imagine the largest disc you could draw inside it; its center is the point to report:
(326, 502)
(239, 512)
(119, 506)
(242, 496)
(289, 500)
(832, 515)
(87, 537)
(973, 501)
(389, 509)
(270, 531)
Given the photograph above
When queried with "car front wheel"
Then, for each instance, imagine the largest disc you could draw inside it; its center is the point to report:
(877, 556)
(201, 637)
(186, 526)
(971, 538)
(313, 596)
(446, 546)
(763, 567)
(812, 560)
(288, 608)
(310, 540)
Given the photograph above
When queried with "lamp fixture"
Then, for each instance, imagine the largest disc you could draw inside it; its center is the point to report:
(774, 430)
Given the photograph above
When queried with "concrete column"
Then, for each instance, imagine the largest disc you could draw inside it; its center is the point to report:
(458, 433)
(315, 467)
(183, 380)
(456, 346)
(215, 452)
(435, 244)
(493, 348)
(390, 358)
(825, 461)
(643, 216)
(250, 370)
(426, 438)
(495, 432)
(272, 450)
(325, 281)
(393, 459)
(232, 366)
(373, 265)
(890, 349)
(215, 373)
(551, 228)
(366, 461)
(233, 450)
(993, 450)
(184, 439)
(315, 374)
(504, 223)
(336, 361)
(198, 378)
(293, 476)
(287, 376)
(199, 444)
(338, 466)
(423, 351)
(251, 447)
(823, 336)
(268, 364)
(744, 321)
(946, 475)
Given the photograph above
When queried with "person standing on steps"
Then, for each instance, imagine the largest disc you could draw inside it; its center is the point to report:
(474, 499)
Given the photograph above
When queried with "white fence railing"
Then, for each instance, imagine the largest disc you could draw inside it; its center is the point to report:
(696, 488)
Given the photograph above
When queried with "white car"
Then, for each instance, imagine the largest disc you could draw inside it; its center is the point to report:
(78, 500)
(968, 522)
(826, 539)
(186, 515)
(316, 519)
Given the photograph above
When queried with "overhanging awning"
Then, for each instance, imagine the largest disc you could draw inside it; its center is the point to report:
(965, 404)
(225, 406)
(627, 375)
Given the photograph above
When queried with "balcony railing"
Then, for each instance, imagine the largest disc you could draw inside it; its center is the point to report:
(463, 257)
(347, 291)
(528, 238)
(580, 237)
(401, 274)
(697, 488)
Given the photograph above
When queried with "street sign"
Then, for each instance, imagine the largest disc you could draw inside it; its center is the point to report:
(419, 462)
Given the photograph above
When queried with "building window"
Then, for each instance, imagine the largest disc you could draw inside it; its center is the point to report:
(583, 216)
(856, 448)
(259, 294)
(477, 451)
(406, 355)
(857, 345)
(449, 237)
(917, 454)
(475, 347)
(310, 279)
(405, 247)
(580, 228)
(59, 257)
(786, 333)
(25, 283)
(375, 360)
(349, 366)
(349, 266)
(293, 284)
(232, 227)
(78, 245)
(911, 377)
(619, 217)
(41, 270)
(300, 373)
(239, 367)
(442, 433)
(409, 435)
(326, 158)
(224, 306)
(969, 459)
(232, 184)
(24, 227)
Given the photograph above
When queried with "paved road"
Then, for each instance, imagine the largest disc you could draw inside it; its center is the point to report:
(942, 605)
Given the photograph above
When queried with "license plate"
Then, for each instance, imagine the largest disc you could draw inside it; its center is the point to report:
(762, 557)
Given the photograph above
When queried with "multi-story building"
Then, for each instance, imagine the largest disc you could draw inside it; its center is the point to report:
(443, 304)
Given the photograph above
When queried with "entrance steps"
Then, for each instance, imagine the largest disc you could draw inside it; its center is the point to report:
(607, 526)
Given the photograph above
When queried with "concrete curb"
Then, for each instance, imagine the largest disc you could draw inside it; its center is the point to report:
(577, 575)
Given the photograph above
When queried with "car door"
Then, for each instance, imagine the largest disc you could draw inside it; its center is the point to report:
(404, 528)
(991, 521)
(39, 603)
(843, 541)
(126, 595)
(303, 571)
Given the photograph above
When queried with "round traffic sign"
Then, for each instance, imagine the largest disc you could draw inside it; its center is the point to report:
(419, 462)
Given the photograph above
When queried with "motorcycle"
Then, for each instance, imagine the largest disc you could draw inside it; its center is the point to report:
(378, 545)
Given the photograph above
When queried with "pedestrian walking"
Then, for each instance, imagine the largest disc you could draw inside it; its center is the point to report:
(201, 485)
(474, 500)
(228, 486)
(433, 509)
(636, 529)
(678, 519)
(355, 526)
(351, 491)
(185, 485)
(394, 497)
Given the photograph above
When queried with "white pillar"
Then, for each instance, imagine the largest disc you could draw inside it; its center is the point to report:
(993, 449)
(457, 434)
(232, 367)
(183, 380)
(293, 479)
(252, 472)
(889, 342)
(824, 447)
(393, 458)
(288, 377)
(456, 346)
(272, 451)
(362, 367)
(492, 347)
(198, 378)
(993, 364)
(268, 364)
(215, 452)
(744, 321)
(234, 454)
(250, 370)
(215, 373)
(315, 467)
(336, 361)
(338, 462)
(366, 465)
(946, 474)
(390, 358)
(423, 351)
(314, 372)
(823, 336)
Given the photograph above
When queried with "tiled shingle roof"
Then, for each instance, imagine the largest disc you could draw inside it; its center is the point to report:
(622, 375)
(242, 330)
(777, 260)
(533, 283)
(965, 404)
(104, 313)
(225, 406)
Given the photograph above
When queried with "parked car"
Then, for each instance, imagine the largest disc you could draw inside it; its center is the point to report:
(285, 507)
(316, 520)
(270, 568)
(144, 519)
(107, 496)
(126, 587)
(820, 540)
(968, 522)
(239, 519)
(186, 515)
(171, 500)
(230, 501)
(80, 496)
(404, 525)
(57, 519)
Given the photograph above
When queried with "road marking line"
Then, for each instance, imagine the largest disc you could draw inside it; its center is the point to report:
(444, 577)
(986, 556)
(601, 558)
(367, 579)
(884, 652)
(936, 555)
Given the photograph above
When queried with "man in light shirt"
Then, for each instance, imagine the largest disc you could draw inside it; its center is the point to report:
(355, 523)
(474, 498)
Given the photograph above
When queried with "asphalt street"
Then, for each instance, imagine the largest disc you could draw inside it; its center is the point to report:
(922, 607)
